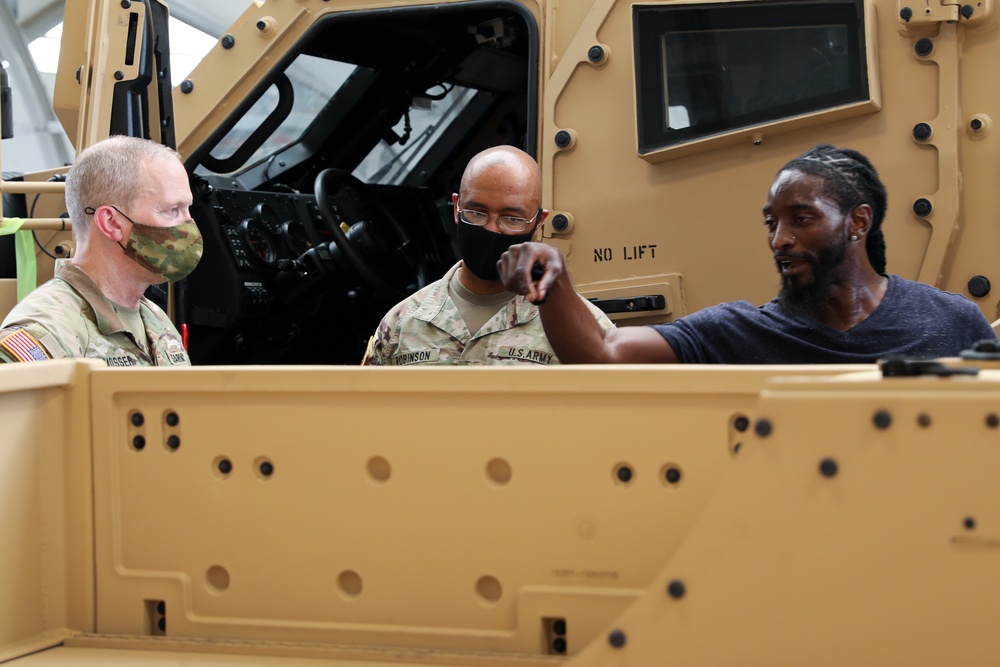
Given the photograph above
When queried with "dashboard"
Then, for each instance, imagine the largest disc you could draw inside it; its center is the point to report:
(275, 284)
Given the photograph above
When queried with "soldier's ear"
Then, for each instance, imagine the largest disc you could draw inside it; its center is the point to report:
(542, 214)
(109, 224)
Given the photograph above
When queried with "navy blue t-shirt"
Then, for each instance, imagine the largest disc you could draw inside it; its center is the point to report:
(914, 320)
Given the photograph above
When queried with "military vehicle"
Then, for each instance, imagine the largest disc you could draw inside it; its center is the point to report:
(277, 504)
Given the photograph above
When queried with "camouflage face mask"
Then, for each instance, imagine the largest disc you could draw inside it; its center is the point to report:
(170, 252)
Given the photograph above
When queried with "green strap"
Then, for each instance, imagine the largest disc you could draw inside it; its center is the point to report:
(24, 253)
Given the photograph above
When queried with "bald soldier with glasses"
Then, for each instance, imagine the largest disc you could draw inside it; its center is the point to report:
(467, 317)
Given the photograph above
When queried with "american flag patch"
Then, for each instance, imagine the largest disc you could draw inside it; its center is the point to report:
(23, 346)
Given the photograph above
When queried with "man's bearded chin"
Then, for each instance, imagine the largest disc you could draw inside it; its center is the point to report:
(807, 299)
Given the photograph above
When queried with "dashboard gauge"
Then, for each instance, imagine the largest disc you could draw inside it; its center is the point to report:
(266, 214)
(296, 237)
(259, 241)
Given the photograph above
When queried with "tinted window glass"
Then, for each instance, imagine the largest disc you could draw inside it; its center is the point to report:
(712, 68)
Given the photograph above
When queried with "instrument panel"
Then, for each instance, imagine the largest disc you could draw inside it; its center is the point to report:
(263, 228)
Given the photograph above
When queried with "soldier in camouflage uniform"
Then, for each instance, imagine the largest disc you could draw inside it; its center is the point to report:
(467, 317)
(94, 306)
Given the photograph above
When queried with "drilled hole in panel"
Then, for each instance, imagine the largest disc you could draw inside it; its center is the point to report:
(350, 584)
(222, 467)
(671, 475)
(217, 578)
(263, 467)
(489, 589)
(623, 474)
(499, 471)
(379, 469)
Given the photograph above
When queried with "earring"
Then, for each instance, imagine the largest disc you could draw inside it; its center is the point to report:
(854, 237)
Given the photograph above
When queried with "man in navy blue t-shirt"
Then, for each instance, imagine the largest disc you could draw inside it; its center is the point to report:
(824, 215)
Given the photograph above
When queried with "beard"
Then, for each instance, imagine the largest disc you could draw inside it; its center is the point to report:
(807, 299)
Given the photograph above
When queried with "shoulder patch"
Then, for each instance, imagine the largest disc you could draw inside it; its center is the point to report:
(23, 346)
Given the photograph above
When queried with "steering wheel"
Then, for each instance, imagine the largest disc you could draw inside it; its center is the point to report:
(329, 181)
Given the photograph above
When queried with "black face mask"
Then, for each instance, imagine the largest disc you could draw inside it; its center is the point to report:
(481, 248)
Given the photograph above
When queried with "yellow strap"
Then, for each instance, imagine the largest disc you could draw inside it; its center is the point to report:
(24, 254)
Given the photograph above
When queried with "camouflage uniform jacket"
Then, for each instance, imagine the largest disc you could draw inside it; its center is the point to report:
(69, 317)
(427, 328)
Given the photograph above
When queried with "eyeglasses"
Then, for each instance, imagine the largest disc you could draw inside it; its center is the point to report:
(507, 223)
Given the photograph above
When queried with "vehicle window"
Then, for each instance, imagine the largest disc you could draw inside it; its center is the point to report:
(428, 119)
(314, 81)
(704, 69)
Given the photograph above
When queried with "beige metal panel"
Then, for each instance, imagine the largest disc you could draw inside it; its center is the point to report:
(890, 557)
(46, 566)
(702, 211)
(81, 657)
(262, 34)
(444, 508)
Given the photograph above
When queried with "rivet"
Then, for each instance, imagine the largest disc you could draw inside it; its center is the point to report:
(923, 47)
(560, 222)
(172, 419)
(173, 442)
(138, 442)
(563, 139)
(922, 132)
(266, 469)
(228, 41)
(906, 14)
(969, 523)
(616, 638)
(225, 466)
(741, 423)
(924, 419)
(923, 207)
(992, 420)
(126, 4)
(676, 589)
(119, 75)
(882, 419)
(828, 467)
(187, 85)
(625, 473)
(979, 286)
(763, 427)
(967, 11)
(596, 54)
(559, 645)
(673, 475)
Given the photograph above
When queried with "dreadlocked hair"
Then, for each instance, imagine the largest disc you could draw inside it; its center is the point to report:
(849, 178)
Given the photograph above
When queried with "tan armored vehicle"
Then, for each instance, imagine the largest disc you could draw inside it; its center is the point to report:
(277, 504)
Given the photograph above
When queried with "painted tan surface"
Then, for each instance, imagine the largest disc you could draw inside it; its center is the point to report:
(699, 210)
(381, 536)
(447, 516)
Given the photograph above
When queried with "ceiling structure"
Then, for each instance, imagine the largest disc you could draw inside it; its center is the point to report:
(39, 141)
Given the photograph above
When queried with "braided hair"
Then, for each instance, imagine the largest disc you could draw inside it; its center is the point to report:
(851, 180)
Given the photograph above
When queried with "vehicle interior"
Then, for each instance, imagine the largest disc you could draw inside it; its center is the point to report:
(326, 197)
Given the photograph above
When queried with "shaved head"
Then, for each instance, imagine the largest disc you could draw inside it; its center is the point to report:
(509, 168)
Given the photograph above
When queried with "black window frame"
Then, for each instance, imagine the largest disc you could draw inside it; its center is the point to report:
(652, 22)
